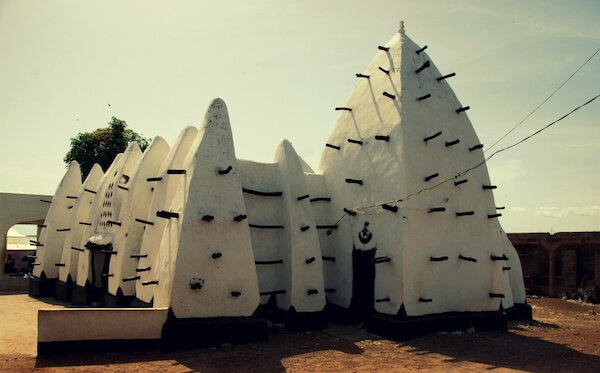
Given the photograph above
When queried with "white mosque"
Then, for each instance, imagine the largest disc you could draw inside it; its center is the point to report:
(389, 230)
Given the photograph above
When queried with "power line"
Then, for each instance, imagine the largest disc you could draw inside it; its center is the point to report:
(543, 102)
(463, 173)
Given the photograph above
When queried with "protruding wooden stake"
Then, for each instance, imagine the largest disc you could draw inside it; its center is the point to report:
(432, 136)
(418, 51)
(445, 77)
(432, 176)
(423, 67)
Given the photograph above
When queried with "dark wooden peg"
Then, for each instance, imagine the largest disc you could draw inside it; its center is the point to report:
(240, 217)
(349, 212)
(423, 67)
(225, 171)
(432, 136)
(445, 77)
(432, 176)
(357, 142)
(436, 209)
(333, 146)
(391, 208)
(354, 181)
(389, 95)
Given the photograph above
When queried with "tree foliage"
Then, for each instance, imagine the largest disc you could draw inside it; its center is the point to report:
(102, 145)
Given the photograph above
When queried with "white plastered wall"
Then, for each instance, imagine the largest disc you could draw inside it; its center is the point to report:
(304, 266)
(395, 167)
(266, 210)
(84, 260)
(56, 224)
(128, 236)
(81, 212)
(162, 199)
(229, 285)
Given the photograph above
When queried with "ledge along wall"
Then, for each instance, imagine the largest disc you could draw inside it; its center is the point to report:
(127, 233)
(165, 184)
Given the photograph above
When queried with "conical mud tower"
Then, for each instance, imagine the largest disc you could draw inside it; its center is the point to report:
(70, 251)
(416, 234)
(54, 231)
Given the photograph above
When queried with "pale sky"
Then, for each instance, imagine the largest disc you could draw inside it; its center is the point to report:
(282, 67)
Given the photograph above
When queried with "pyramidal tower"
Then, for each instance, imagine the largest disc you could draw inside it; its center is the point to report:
(416, 226)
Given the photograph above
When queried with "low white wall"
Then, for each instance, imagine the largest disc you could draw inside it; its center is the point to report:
(85, 324)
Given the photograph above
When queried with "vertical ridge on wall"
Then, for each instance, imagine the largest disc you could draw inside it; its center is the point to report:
(165, 187)
(52, 237)
(128, 235)
(304, 268)
(81, 212)
(212, 272)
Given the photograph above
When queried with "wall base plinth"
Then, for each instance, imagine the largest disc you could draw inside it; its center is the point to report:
(85, 295)
(118, 300)
(520, 311)
(188, 333)
(63, 291)
(41, 287)
(403, 328)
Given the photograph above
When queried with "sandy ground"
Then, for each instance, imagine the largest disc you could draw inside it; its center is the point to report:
(565, 336)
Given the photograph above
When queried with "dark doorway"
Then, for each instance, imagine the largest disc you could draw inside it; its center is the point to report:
(363, 283)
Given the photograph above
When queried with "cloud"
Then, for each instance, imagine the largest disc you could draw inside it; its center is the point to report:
(518, 209)
(556, 212)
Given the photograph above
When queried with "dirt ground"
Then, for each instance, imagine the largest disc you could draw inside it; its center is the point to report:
(565, 336)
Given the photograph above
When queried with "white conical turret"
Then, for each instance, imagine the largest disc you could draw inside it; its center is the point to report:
(206, 264)
(165, 184)
(56, 224)
(400, 134)
(81, 212)
(129, 233)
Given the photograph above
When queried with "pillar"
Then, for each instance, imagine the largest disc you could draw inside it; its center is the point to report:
(569, 263)
(597, 273)
(551, 247)
(3, 248)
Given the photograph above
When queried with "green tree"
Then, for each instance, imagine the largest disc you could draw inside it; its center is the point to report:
(102, 145)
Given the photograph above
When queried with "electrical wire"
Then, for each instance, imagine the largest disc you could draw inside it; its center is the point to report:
(543, 102)
(463, 173)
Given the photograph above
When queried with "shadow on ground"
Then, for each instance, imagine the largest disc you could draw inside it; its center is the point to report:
(506, 350)
(255, 357)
